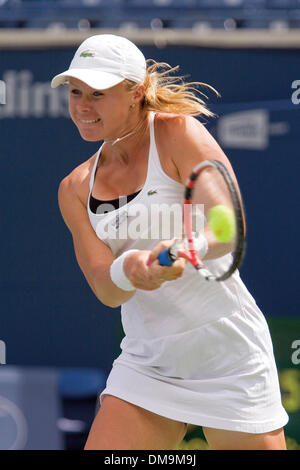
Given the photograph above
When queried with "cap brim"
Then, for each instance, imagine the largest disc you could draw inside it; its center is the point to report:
(93, 78)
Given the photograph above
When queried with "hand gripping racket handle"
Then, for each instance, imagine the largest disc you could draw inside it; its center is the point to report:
(166, 258)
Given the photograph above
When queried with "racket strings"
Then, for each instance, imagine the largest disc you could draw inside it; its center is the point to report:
(210, 190)
(211, 185)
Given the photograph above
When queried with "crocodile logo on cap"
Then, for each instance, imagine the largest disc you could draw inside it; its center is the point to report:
(87, 54)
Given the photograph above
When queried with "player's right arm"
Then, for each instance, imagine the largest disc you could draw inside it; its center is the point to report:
(93, 256)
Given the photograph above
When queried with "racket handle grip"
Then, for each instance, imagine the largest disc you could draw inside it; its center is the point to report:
(165, 258)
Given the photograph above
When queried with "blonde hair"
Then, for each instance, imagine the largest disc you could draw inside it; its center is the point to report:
(171, 94)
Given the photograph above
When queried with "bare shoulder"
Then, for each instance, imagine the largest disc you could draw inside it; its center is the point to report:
(175, 131)
(175, 126)
(170, 130)
(187, 142)
(73, 194)
(76, 183)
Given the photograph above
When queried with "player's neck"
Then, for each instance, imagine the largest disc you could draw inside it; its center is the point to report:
(126, 134)
(128, 146)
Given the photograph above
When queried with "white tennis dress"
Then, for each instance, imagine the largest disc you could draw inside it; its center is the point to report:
(193, 351)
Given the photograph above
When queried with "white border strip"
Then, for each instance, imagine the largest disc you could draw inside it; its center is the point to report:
(238, 39)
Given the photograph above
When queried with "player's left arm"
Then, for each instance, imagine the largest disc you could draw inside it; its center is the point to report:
(188, 142)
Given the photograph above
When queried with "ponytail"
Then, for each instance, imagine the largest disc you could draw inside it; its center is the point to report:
(171, 94)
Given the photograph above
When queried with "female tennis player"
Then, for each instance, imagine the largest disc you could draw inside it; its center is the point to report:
(194, 352)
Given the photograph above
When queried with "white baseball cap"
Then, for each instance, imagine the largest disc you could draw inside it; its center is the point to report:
(103, 61)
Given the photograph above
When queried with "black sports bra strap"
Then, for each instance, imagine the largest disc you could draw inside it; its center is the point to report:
(98, 206)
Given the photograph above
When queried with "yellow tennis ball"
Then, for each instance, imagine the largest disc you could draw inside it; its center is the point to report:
(222, 223)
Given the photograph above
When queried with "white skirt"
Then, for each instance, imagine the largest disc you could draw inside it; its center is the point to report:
(236, 389)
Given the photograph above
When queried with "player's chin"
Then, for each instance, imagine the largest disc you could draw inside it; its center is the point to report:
(89, 137)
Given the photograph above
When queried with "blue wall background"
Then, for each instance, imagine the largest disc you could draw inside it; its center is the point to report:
(49, 316)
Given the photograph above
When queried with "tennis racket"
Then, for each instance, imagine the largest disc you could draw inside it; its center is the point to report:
(212, 208)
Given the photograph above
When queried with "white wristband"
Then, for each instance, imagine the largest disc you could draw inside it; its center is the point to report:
(117, 272)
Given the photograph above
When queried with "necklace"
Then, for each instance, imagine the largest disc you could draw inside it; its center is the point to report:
(115, 141)
(118, 139)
